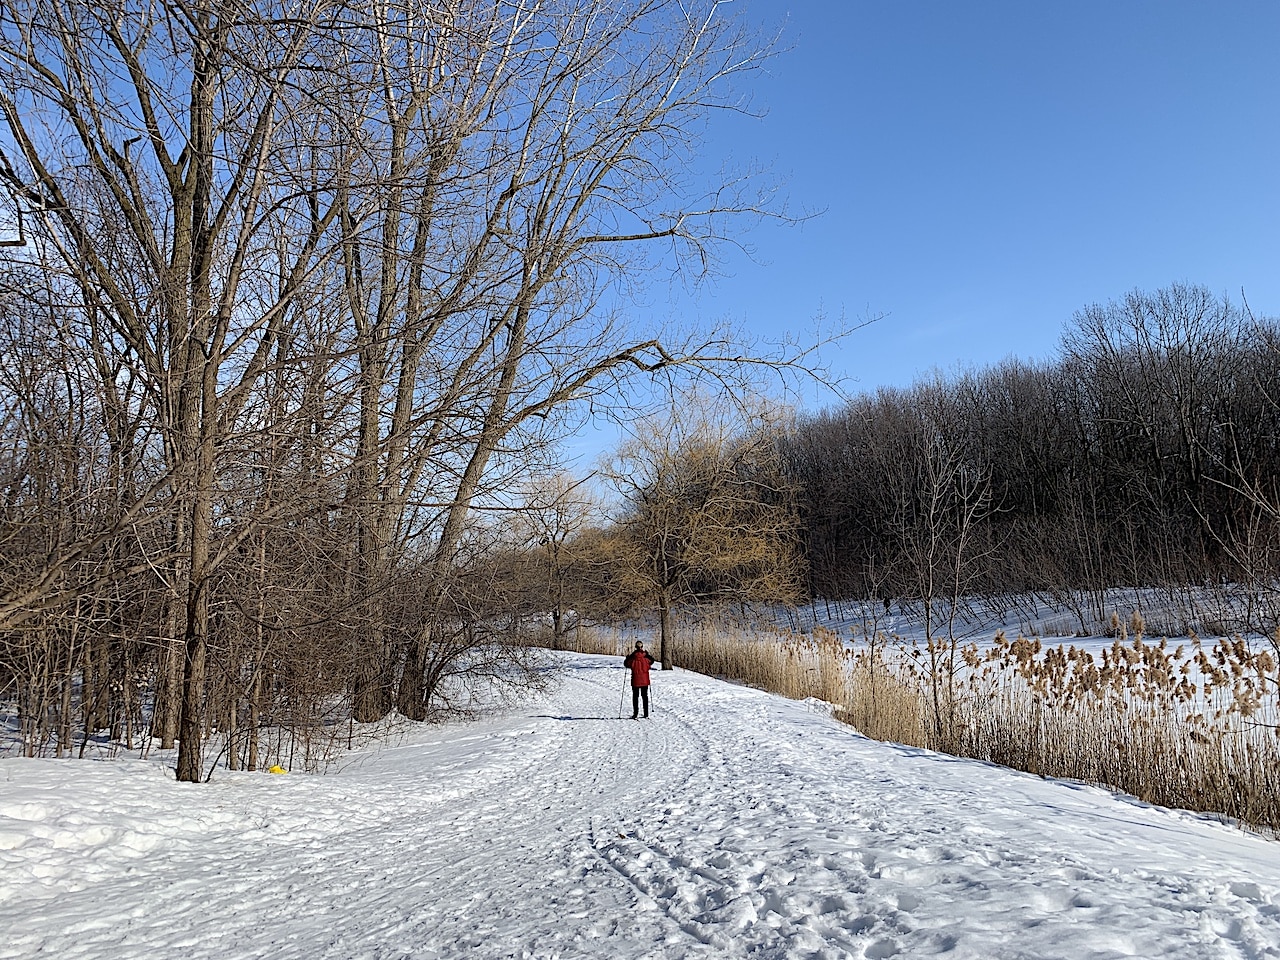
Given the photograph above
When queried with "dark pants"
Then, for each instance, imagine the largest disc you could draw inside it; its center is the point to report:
(637, 694)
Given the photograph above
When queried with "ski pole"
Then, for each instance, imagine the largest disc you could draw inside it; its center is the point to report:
(623, 701)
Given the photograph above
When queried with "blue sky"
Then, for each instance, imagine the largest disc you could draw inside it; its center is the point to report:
(989, 168)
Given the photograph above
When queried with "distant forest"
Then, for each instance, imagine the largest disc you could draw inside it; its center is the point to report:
(1147, 455)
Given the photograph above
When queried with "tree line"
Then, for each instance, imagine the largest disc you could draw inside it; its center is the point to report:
(1145, 455)
(294, 299)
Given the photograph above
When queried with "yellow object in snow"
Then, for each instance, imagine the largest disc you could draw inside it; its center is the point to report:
(277, 769)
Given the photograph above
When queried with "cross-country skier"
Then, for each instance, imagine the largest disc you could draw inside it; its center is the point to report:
(638, 661)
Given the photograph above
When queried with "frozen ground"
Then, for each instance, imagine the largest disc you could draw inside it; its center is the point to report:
(732, 824)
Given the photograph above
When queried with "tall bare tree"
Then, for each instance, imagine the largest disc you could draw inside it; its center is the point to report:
(522, 165)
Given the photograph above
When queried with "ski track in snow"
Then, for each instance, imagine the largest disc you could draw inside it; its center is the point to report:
(732, 824)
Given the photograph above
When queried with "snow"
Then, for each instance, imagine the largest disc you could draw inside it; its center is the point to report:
(733, 823)
(977, 619)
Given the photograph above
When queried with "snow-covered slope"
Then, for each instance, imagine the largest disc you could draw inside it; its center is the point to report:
(732, 824)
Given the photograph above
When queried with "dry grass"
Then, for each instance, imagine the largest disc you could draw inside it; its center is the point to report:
(1195, 726)
(1190, 726)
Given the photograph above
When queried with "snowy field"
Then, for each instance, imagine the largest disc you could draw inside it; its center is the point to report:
(732, 824)
(1210, 614)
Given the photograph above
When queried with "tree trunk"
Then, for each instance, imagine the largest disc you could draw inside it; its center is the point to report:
(667, 640)
(191, 724)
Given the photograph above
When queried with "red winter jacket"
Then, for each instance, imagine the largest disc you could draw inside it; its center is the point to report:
(638, 663)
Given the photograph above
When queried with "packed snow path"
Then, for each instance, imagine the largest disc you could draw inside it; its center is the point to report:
(732, 824)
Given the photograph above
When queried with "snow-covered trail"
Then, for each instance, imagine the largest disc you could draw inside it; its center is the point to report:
(733, 824)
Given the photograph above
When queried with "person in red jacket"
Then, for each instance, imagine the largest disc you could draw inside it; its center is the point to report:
(638, 661)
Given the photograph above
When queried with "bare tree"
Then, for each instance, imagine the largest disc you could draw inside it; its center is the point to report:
(1241, 456)
(1153, 365)
(557, 510)
(1144, 458)
(709, 517)
(522, 166)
